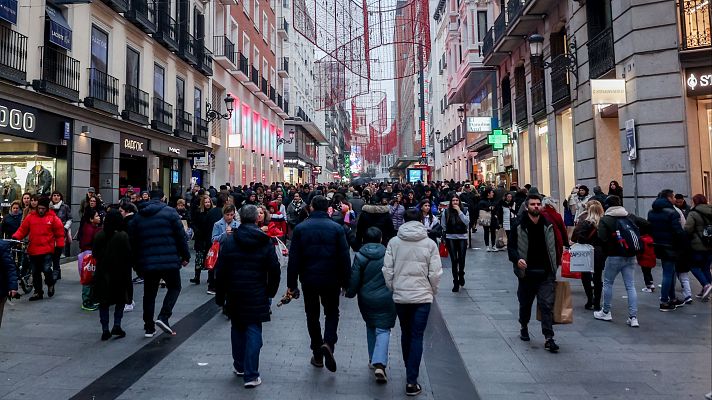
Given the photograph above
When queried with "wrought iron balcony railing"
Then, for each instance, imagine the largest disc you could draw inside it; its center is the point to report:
(103, 91)
(188, 48)
(244, 65)
(255, 76)
(143, 14)
(184, 125)
(506, 115)
(500, 26)
(538, 98)
(162, 116)
(520, 108)
(488, 43)
(167, 31)
(601, 58)
(59, 74)
(559, 81)
(205, 63)
(695, 24)
(135, 105)
(514, 9)
(223, 47)
(201, 131)
(13, 56)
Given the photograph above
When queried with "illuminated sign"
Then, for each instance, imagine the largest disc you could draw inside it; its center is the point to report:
(607, 91)
(497, 139)
(479, 124)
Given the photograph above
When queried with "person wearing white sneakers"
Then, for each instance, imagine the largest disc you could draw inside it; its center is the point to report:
(619, 231)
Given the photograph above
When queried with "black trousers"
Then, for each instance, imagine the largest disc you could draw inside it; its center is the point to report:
(647, 275)
(328, 297)
(542, 288)
(457, 249)
(151, 282)
(42, 264)
(490, 234)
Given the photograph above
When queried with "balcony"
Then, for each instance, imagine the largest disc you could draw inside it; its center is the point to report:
(254, 83)
(201, 131)
(500, 26)
(184, 125)
(520, 108)
(560, 93)
(514, 9)
(264, 90)
(120, 6)
(59, 75)
(135, 105)
(506, 115)
(696, 39)
(283, 67)
(162, 116)
(282, 28)
(188, 49)
(103, 92)
(271, 97)
(488, 43)
(167, 32)
(600, 54)
(242, 73)
(224, 52)
(13, 56)
(538, 99)
(286, 106)
(302, 114)
(142, 13)
(205, 66)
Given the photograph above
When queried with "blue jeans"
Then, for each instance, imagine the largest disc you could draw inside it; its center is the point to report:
(246, 344)
(667, 293)
(626, 267)
(700, 264)
(104, 315)
(378, 339)
(413, 319)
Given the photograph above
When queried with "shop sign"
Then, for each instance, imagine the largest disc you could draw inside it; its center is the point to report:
(316, 170)
(497, 139)
(168, 149)
(698, 81)
(479, 124)
(294, 162)
(17, 119)
(20, 120)
(630, 140)
(607, 91)
(133, 145)
(8, 10)
(200, 158)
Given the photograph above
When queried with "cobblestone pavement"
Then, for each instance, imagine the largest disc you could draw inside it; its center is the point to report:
(51, 349)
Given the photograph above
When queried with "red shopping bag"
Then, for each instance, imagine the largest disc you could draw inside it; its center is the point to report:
(566, 267)
(211, 259)
(443, 249)
(647, 258)
(88, 268)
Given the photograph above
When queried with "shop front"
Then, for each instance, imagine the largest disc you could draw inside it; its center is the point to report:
(200, 165)
(698, 82)
(169, 166)
(33, 154)
(294, 169)
(133, 163)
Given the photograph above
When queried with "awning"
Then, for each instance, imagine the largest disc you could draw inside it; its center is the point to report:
(59, 31)
(404, 162)
(8, 11)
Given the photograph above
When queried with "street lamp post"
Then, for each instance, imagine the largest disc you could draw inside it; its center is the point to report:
(213, 114)
(281, 140)
(536, 48)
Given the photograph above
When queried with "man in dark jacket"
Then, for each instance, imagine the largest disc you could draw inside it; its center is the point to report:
(247, 275)
(8, 275)
(668, 234)
(160, 248)
(532, 251)
(377, 216)
(319, 258)
(598, 195)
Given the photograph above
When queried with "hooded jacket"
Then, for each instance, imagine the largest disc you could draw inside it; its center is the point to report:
(247, 274)
(378, 216)
(666, 228)
(607, 228)
(411, 266)
(46, 233)
(518, 245)
(319, 254)
(375, 300)
(699, 217)
(157, 237)
(10, 224)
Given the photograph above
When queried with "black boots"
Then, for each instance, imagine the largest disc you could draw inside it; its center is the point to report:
(196, 280)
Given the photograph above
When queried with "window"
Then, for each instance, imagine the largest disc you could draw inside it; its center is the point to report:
(99, 49)
(133, 58)
(265, 68)
(273, 39)
(256, 15)
(159, 81)
(271, 73)
(481, 25)
(180, 94)
(265, 24)
(256, 60)
(198, 102)
(233, 32)
(246, 47)
(285, 3)
(245, 7)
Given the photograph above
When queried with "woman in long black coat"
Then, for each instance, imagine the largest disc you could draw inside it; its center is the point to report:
(112, 278)
(202, 231)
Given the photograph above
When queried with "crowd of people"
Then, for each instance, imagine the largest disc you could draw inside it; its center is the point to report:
(379, 242)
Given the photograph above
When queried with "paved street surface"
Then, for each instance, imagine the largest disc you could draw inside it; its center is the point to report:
(51, 349)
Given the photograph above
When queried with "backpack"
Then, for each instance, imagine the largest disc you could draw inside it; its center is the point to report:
(627, 235)
(706, 234)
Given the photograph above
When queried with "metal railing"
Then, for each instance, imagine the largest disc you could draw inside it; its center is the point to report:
(188, 46)
(162, 112)
(500, 26)
(184, 121)
(488, 43)
(59, 69)
(118, 5)
(283, 64)
(223, 47)
(143, 10)
(272, 94)
(279, 100)
(601, 58)
(514, 9)
(283, 25)
(201, 130)
(206, 61)
(286, 106)
(538, 97)
(506, 115)
(255, 76)
(520, 108)
(167, 31)
(264, 86)
(244, 65)
(695, 24)
(135, 100)
(103, 86)
(13, 55)
(559, 79)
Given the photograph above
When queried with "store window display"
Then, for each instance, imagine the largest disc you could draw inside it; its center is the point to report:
(21, 174)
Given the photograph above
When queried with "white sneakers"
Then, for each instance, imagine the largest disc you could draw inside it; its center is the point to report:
(633, 322)
(129, 307)
(603, 316)
(254, 383)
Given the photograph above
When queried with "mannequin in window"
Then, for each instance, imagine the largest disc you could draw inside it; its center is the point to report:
(39, 181)
(11, 190)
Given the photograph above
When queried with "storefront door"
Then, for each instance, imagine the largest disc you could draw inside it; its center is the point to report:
(565, 152)
(542, 162)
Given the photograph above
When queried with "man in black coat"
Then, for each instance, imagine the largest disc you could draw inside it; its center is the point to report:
(8, 275)
(319, 258)
(161, 249)
(247, 276)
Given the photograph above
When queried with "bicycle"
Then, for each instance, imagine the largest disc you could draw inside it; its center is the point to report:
(22, 263)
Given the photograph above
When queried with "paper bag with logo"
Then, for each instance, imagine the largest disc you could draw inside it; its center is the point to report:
(581, 258)
(563, 304)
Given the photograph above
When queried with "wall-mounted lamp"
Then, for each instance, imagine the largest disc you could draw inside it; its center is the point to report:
(212, 114)
(281, 140)
(437, 135)
(569, 60)
(461, 113)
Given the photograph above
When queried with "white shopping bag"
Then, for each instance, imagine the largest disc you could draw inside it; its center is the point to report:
(282, 253)
(581, 257)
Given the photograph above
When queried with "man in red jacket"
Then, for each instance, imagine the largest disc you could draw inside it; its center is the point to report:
(46, 234)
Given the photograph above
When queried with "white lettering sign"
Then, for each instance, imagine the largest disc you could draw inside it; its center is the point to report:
(608, 91)
(174, 150)
(17, 120)
(134, 145)
(702, 82)
(479, 124)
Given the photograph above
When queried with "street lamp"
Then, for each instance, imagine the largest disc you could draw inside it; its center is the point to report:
(212, 114)
(281, 140)
(568, 60)
(461, 113)
(437, 135)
